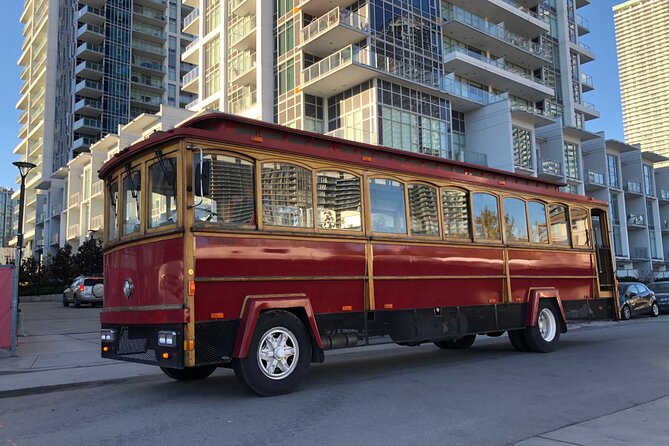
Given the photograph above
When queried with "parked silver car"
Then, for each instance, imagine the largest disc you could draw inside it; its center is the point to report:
(84, 290)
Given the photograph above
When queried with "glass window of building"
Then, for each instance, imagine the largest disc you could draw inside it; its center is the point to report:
(163, 193)
(338, 201)
(515, 220)
(212, 15)
(132, 202)
(572, 168)
(285, 37)
(612, 162)
(423, 210)
(522, 148)
(112, 224)
(486, 216)
(286, 75)
(559, 227)
(387, 206)
(455, 205)
(647, 180)
(579, 227)
(287, 197)
(283, 7)
(224, 188)
(538, 225)
(212, 70)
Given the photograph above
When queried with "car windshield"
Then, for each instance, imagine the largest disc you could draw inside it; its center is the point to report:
(91, 282)
(659, 287)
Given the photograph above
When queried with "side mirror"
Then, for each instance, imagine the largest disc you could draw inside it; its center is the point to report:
(203, 178)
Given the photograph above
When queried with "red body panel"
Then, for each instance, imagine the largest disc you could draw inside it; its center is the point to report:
(262, 265)
(156, 271)
(145, 317)
(476, 276)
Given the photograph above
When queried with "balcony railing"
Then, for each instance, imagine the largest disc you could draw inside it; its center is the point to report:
(190, 76)
(74, 200)
(55, 239)
(595, 177)
(55, 210)
(242, 64)
(582, 22)
(96, 222)
(551, 167)
(72, 231)
(452, 12)
(632, 186)
(242, 28)
(499, 64)
(245, 102)
(524, 9)
(472, 157)
(336, 17)
(636, 220)
(586, 79)
(532, 110)
(97, 188)
(664, 194)
(149, 31)
(190, 18)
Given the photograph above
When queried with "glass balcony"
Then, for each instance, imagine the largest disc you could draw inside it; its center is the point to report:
(242, 68)
(336, 29)
(582, 24)
(242, 7)
(89, 69)
(458, 21)
(191, 22)
(88, 106)
(88, 88)
(91, 33)
(596, 178)
(91, 14)
(244, 103)
(472, 157)
(242, 33)
(150, 32)
(586, 82)
(149, 15)
(551, 167)
(632, 187)
(145, 81)
(87, 125)
(189, 81)
(90, 51)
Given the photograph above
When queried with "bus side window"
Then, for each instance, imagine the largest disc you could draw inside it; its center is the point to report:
(163, 193)
(455, 205)
(486, 216)
(287, 197)
(423, 210)
(515, 220)
(387, 206)
(538, 226)
(338, 201)
(226, 187)
(579, 227)
(559, 228)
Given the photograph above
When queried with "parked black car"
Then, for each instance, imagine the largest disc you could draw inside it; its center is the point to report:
(661, 290)
(636, 298)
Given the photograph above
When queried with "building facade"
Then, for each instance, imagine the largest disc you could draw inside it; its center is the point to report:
(7, 220)
(90, 66)
(642, 38)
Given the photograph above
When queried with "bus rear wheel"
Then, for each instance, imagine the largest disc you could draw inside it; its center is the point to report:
(189, 373)
(544, 336)
(278, 357)
(462, 343)
(517, 338)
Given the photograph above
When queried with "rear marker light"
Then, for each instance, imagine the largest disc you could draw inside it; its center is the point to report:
(166, 356)
(191, 288)
(217, 315)
(167, 338)
(105, 349)
(346, 308)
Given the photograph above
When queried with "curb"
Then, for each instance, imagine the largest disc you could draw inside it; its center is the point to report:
(59, 387)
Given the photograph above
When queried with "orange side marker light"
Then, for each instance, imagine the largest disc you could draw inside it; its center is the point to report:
(346, 308)
(217, 315)
(105, 349)
(191, 288)
(166, 356)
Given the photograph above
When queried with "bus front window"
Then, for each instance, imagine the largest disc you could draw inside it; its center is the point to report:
(163, 193)
(132, 202)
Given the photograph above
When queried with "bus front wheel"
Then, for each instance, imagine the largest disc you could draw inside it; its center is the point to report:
(189, 373)
(278, 357)
(544, 336)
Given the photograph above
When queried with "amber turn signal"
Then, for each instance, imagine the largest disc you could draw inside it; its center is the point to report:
(105, 349)
(166, 356)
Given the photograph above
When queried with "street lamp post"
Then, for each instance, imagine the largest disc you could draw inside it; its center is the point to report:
(24, 167)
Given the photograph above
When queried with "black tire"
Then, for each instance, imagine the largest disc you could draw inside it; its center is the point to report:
(654, 310)
(517, 338)
(77, 304)
(495, 334)
(625, 313)
(284, 371)
(462, 343)
(189, 373)
(544, 336)
(65, 303)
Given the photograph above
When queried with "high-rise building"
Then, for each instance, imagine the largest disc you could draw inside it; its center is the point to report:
(484, 81)
(642, 38)
(7, 220)
(90, 66)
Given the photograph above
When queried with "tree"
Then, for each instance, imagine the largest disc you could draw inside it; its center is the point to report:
(61, 267)
(29, 274)
(88, 260)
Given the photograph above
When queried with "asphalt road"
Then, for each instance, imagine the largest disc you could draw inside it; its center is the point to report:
(488, 395)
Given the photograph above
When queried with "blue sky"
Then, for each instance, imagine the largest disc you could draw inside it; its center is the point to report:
(604, 71)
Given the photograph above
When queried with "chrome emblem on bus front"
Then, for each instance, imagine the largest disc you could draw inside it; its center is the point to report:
(128, 288)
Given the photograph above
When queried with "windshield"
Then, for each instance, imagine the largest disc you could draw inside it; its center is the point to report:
(132, 200)
(162, 192)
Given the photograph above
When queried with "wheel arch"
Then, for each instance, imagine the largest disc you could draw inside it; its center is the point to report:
(535, 296)
(254, 306)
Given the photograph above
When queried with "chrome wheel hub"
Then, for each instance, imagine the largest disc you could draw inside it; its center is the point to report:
(278, 352)
(547, 325)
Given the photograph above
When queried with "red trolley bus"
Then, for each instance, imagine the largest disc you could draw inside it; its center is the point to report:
(235, 243)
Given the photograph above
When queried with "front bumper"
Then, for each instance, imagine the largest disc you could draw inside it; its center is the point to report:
(139, 343)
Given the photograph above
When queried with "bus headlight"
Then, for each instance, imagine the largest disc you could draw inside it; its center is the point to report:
(167, 338)
(107, 335)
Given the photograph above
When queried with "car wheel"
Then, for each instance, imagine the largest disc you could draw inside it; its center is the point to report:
(189, 373)
(654, 310)
(278, 357)
(517, 338)
(626, 313)
(544, 336)
(462, 343)
(77, 304)
(65, 302)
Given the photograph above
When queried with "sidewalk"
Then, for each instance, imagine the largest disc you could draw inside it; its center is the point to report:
(60, 349)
